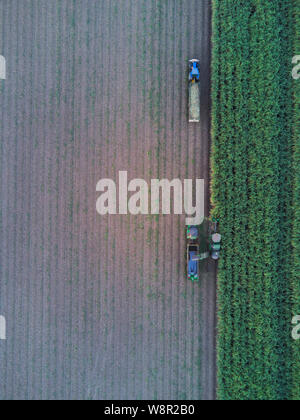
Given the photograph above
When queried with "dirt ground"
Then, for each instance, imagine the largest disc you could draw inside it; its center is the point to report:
(99, 307)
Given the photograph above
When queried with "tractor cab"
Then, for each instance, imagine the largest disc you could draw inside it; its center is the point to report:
(194, 70)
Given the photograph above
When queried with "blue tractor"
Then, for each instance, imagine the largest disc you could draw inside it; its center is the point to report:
(194, 71)
(193, 262)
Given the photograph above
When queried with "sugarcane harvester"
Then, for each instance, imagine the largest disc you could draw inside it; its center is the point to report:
(194, 90)
(215, 243)
(194, 256)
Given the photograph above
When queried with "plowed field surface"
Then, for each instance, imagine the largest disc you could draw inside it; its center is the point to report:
(98, 307)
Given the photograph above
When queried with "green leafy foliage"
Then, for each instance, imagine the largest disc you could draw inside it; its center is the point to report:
(253, 130)
(296, 208)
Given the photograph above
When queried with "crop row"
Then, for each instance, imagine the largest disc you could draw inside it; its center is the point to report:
(296, 209)
(252, 130)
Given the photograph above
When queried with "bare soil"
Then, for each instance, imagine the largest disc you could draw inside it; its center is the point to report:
(99, 307)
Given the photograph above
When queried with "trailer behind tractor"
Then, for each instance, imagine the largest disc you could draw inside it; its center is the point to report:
(194, 90)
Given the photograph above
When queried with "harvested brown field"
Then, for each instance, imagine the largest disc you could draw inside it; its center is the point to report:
(99, 307)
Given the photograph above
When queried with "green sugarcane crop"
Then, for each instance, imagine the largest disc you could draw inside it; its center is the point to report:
(255, 150)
